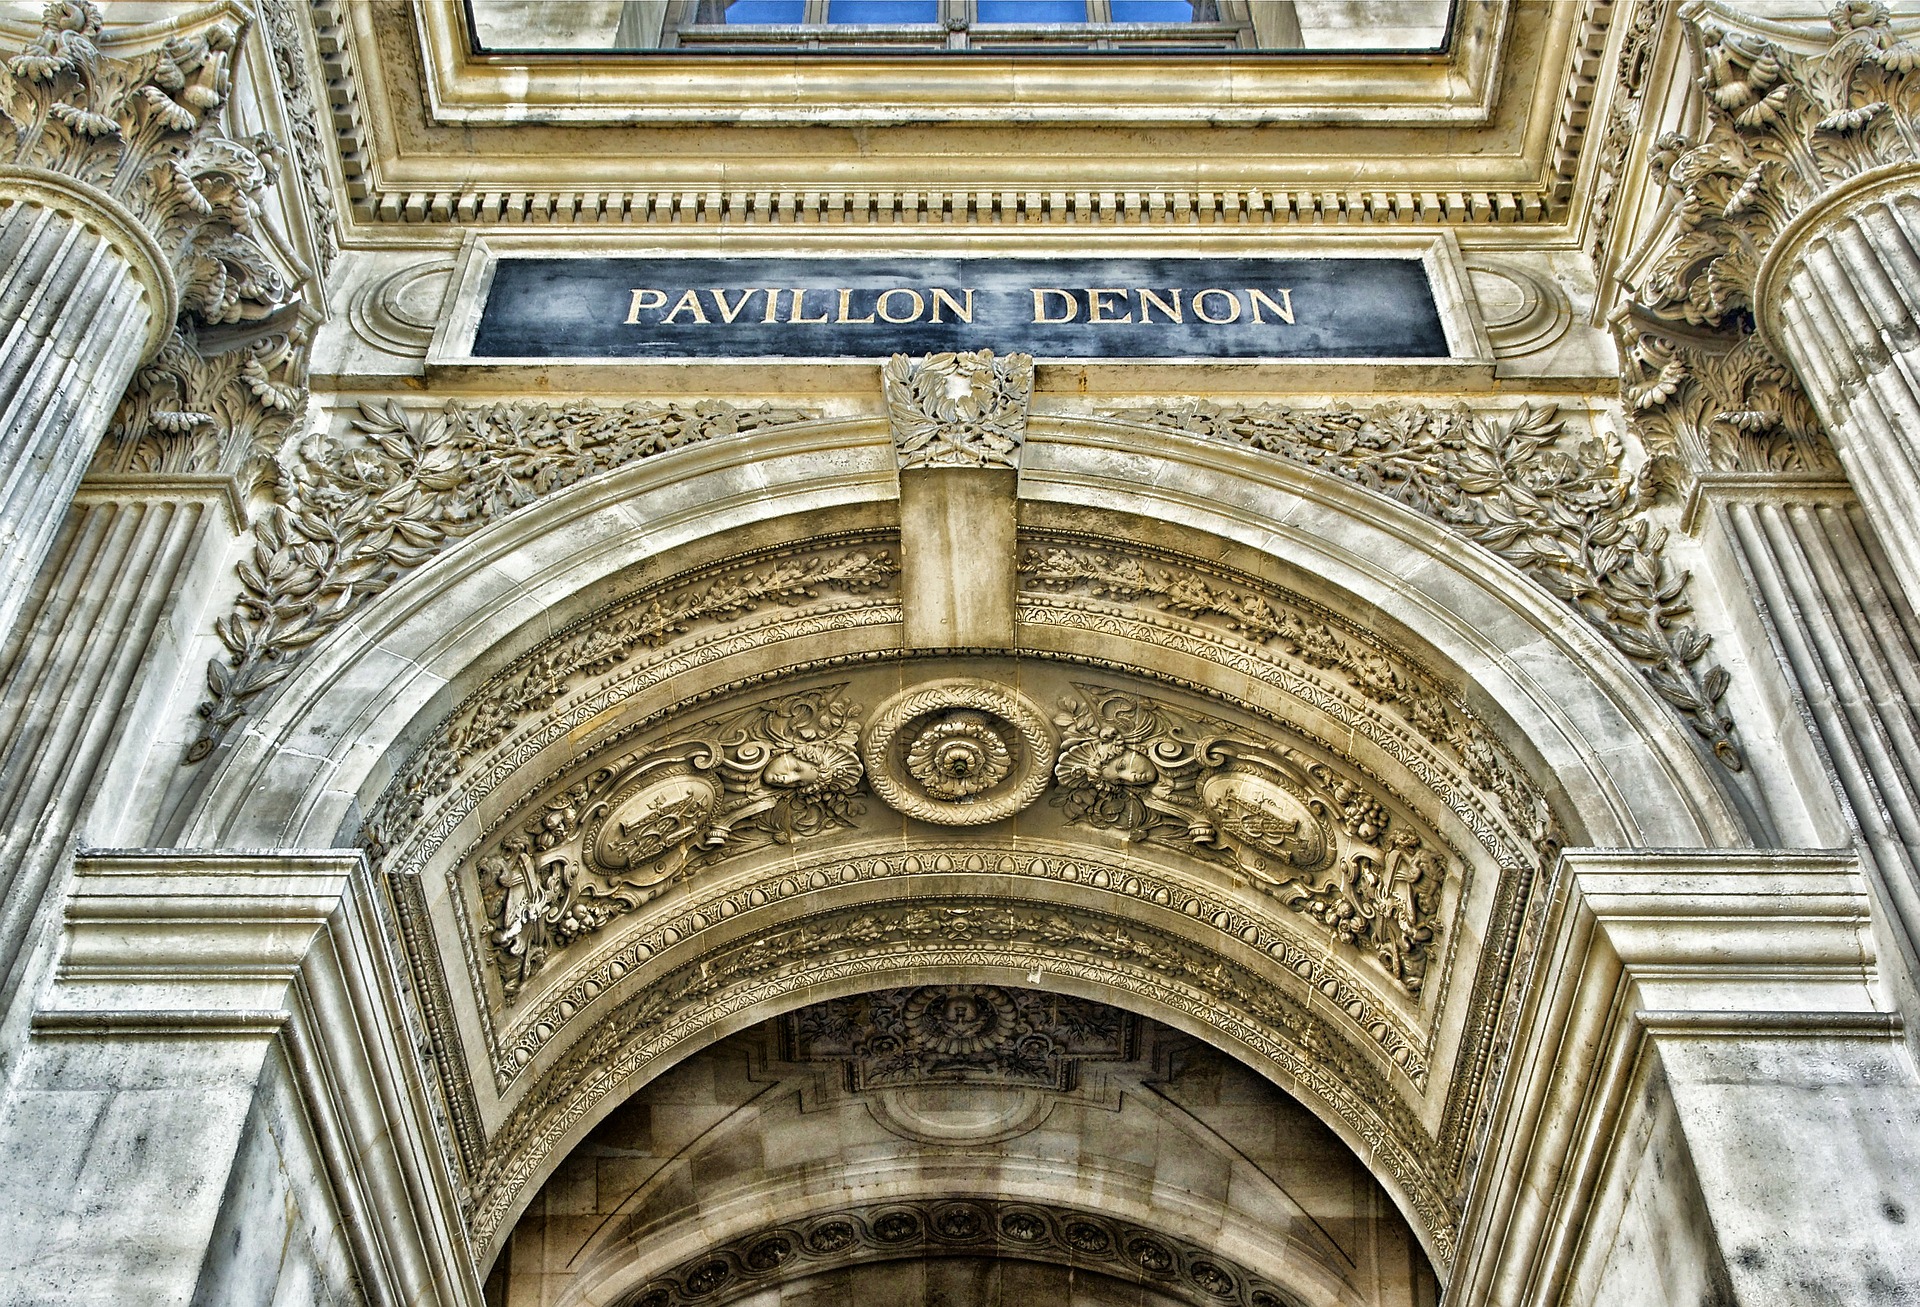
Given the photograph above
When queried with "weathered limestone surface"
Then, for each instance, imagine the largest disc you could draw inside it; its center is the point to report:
(1721, 1060)
(215, 1067)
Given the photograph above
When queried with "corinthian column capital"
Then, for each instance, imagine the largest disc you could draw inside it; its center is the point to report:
(1790, 135)
(135, 139)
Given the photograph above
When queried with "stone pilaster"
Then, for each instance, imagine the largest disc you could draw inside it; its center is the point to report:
(218, 1102)
(1702, 1073)
(155, 519)
(123, 203)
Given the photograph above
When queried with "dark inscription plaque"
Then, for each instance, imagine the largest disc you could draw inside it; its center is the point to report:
(672, 308)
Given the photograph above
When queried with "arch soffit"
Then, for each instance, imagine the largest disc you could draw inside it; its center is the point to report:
(1623, 768)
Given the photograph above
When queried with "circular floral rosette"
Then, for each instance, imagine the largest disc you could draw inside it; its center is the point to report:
(959, 752)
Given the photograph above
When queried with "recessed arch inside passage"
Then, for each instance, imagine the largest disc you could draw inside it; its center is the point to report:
(1266, 759)
(984, 1142)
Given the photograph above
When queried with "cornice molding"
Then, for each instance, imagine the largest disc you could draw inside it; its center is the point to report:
(1527, 135)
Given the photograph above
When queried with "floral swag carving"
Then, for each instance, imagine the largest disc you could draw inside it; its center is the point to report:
(147, 131)
(1561, 511)
(351, 515)
(958, 410)
(1783, 129)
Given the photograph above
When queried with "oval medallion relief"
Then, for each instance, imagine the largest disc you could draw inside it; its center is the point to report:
(958, 752)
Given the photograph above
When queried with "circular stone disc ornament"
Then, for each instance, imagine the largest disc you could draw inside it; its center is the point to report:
(958, 752)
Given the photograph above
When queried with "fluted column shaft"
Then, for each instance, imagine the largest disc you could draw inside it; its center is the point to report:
(1845, 310)
(76, 317)
(90, 630)
(1842, 628)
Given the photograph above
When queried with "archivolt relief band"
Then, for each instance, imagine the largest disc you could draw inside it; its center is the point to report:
(1399, 1041)
(790, 769)
(958, 1227)
(841, 950)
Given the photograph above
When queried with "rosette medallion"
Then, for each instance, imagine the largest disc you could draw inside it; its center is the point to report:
(959, 752)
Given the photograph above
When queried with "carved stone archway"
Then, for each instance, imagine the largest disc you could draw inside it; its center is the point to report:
(1315, 643)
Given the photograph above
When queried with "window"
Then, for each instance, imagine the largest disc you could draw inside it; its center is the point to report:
(1011, 25)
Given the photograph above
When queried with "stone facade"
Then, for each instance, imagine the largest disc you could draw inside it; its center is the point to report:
(968, 824)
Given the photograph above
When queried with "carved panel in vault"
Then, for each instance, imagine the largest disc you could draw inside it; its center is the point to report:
(621, 829)
(971, 1034)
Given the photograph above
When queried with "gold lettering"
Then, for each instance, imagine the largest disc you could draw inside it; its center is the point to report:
(919, 304)
(687, 303)
(799, 300)
(1199, 303)
(846, 307)
(1096, 305)
(728, 312)
(964, 314)
(641, 301)
(1150, 299)
(1040, 304)
(773, 306)
(1283, 309)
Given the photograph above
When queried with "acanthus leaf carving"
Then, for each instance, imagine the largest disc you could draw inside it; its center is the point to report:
(1783, 129)
(193, 411)
(1562, 511)
(774, 773)
(1721, 402)
(958, 410)
(350, 516)
(147, 131)
(1315, 840)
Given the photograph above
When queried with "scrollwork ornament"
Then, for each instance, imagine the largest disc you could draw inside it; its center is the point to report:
(775, 773)
(958, 410)
(147, 131)
(1300, 832)
(958, 752)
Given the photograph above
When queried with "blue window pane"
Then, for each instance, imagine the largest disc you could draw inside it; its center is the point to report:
(767, 11)
(883, 11)
(1033, 11)
(1153, 11)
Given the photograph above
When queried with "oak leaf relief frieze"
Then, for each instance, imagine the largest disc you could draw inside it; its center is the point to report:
(352, 514)
(1560, 509)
